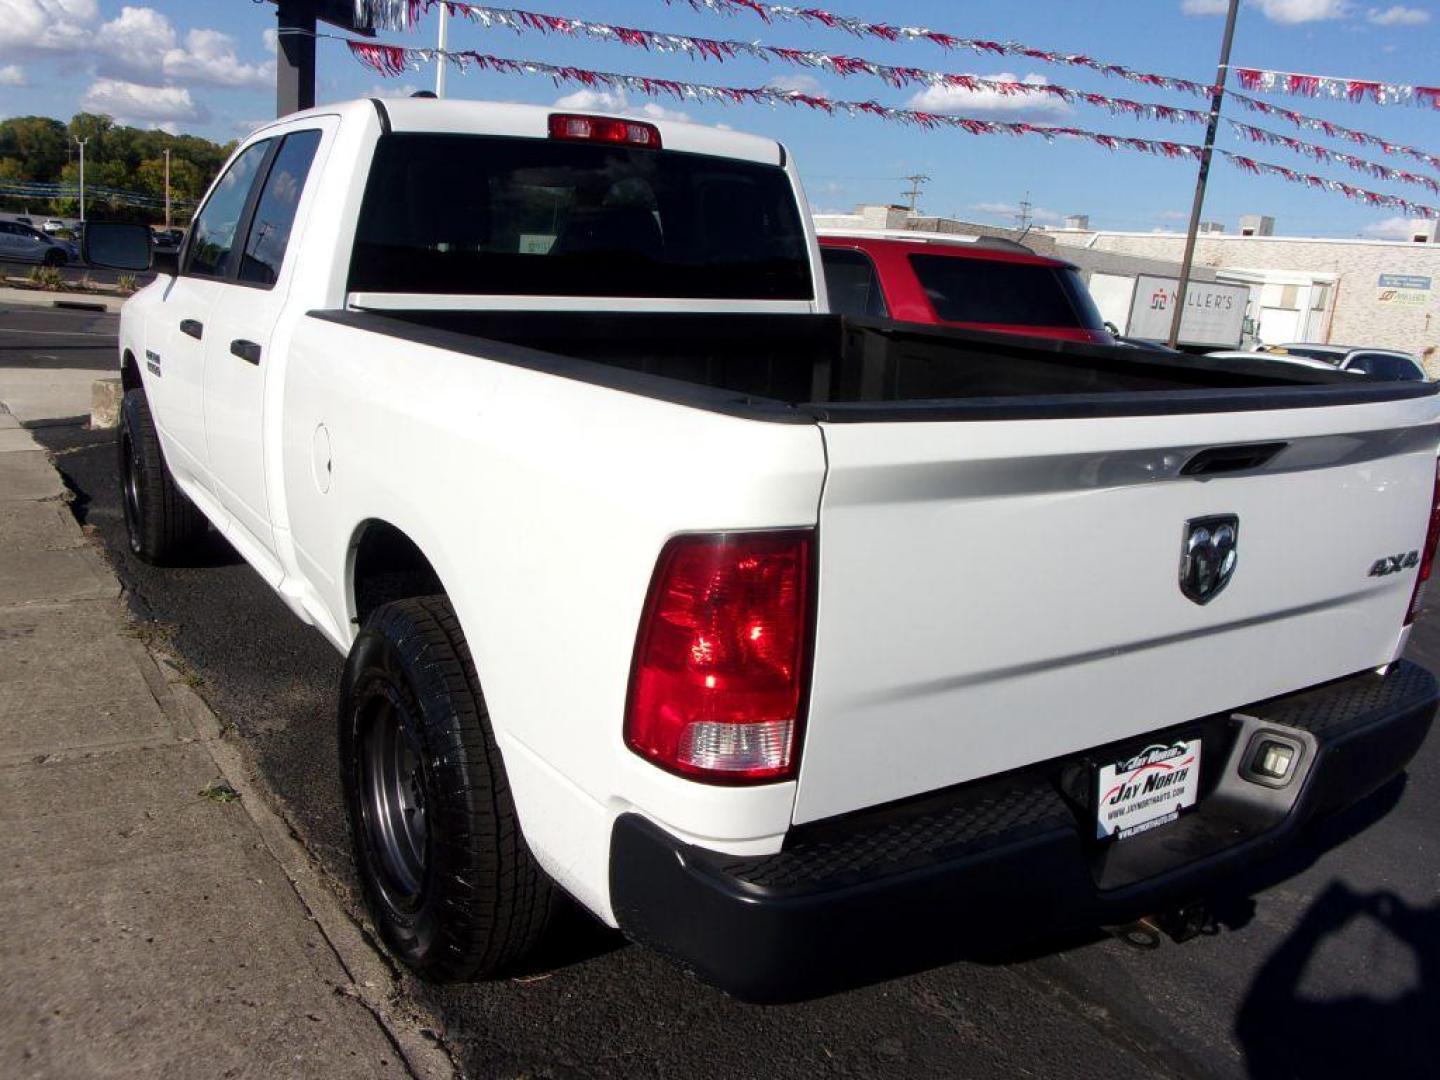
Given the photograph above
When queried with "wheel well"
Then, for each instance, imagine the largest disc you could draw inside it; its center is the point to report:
(129, 372)
(389, 566)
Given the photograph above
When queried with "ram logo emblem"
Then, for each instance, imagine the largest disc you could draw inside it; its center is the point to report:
(1208, 556)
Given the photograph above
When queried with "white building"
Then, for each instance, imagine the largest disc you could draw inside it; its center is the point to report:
(1352, 292)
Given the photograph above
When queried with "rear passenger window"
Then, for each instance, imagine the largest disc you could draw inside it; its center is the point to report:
(275, 212)
(212, 236)
(852, 283)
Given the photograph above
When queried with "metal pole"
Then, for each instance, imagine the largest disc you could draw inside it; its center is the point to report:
(442, 40)
(82, 143)
(295, 59)
(1222, 75)
(167, 189)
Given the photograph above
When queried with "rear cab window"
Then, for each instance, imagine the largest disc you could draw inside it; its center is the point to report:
(1004, 293)
(529, 217)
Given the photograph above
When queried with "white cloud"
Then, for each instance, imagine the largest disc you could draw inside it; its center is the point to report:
(127, 102)
(1289, 12)
(1395, 228)
(1173, 215)
(130, 44)
(985, 102)
(1397, 15)
(806, 84)
(12, 75)
(139, 46)
(50, 26)
(615, 101)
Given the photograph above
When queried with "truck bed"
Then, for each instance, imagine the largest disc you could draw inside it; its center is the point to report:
(837, 369)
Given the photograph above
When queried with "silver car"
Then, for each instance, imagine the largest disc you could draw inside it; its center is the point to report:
(21, 243)
(1378, 363)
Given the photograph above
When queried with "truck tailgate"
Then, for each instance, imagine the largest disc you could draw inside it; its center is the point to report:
(997, 593)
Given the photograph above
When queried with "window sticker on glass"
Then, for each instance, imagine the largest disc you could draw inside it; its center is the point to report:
(536, 243)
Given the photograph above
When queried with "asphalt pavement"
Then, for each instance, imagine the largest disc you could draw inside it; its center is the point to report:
(1329, 966)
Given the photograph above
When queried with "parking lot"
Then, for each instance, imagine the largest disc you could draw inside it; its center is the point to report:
(1330, 966)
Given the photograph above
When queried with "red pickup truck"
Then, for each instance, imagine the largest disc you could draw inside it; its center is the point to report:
(980, 283)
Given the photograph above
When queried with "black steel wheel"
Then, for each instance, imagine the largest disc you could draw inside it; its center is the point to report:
(160, 521)
(452, 886)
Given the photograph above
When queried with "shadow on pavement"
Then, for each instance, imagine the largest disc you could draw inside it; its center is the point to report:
(1285, 1032)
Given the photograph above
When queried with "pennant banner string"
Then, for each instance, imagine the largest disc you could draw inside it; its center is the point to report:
(396, 60)
(1334, 131)
(1322, 153)
(721, 50)
(404, 14)
(1355, 90)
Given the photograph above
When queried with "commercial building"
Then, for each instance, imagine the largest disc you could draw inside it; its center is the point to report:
(1345, 291)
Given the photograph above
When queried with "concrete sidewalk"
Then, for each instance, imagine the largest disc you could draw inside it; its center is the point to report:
(150, 930)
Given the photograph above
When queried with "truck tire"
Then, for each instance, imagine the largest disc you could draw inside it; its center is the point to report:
(159, 520)
(449, 880)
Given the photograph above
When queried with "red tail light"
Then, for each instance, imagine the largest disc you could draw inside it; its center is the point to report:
(1427, 555)
(722, 657)
(604, 129)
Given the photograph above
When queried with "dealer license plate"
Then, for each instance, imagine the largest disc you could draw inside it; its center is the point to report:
(1147, 790)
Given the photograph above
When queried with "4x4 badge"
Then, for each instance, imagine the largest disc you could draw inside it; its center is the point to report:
(1393, 564)
(1208, 556)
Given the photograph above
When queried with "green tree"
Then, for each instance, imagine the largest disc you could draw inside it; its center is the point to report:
(39, 144)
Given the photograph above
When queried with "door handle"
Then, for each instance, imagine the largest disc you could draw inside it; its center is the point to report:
(246, 350)
(193, 327)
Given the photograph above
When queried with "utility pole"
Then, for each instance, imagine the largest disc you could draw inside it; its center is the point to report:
(82, 143)
(441, 43)
(914, 191)
(167, 188)
(1023, 217)
(1222, 76)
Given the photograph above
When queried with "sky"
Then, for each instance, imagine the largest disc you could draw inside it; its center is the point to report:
(207, 67)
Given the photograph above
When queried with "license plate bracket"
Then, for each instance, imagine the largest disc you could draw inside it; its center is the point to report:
(1147, 789)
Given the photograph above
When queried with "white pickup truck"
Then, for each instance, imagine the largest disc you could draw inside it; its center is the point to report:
(803, 648)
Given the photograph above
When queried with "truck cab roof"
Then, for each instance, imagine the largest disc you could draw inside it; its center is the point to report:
(450, 115)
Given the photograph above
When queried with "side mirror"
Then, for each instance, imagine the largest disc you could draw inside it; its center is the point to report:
(116, 245)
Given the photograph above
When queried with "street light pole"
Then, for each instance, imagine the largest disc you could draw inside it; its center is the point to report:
(167, 189)
(1222, 75)
(82, 143)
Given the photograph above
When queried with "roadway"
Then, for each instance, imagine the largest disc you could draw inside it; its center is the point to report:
(1330, 967)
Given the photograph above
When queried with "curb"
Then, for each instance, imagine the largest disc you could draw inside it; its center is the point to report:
(373, 980)
(74, 301)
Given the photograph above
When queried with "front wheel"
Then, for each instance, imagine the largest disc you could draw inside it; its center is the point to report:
(160, 521)
(55, 257)
(449, 880)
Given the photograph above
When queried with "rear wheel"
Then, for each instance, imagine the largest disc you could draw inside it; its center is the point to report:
(450, 882)
(159, 520)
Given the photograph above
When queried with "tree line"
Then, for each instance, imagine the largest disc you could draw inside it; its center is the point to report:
(39, 149)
